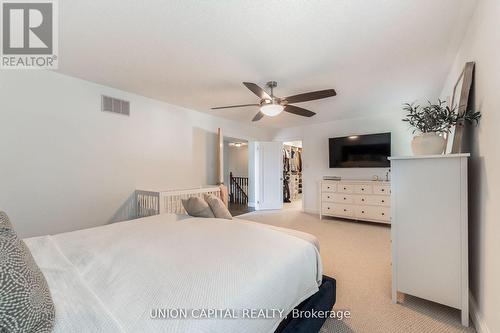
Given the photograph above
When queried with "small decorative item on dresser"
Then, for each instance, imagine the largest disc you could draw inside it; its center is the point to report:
(433, 121)
(332, 178)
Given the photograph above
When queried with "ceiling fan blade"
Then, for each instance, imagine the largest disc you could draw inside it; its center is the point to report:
(299, 111)
(258, 116)
(257, 90)
(234, 106)
(310, 96)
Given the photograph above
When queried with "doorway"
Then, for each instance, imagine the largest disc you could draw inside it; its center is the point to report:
(236, 175)
(292, 174)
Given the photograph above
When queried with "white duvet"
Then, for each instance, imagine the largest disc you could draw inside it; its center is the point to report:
(113, 278)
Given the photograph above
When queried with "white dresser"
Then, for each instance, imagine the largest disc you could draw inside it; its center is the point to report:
(429, 229)
(356, 199)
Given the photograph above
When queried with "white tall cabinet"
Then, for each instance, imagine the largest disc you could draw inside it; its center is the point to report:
(429, 229)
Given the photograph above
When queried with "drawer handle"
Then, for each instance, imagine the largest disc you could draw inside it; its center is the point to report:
(362, 212)
(382, 190)
(362, 189)
(345, 199)
(383, 200)
(383, 214)
(345, 188)
(328, 208)
(345, 210)
(362, 199)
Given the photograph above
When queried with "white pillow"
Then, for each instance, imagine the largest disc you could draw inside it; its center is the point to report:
(197, 207)
(218, 208)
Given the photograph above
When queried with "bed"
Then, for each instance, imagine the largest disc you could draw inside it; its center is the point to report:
(120, 277)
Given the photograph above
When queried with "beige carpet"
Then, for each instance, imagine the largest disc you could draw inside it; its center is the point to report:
(358, 256)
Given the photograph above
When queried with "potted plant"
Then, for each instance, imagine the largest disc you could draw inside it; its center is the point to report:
(432, 122)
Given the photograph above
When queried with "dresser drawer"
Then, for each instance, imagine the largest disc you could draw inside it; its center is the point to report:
(343, 198)
(361, 200)
(373, 200)
(380, 200)
(373, 213)
(330, 208)
(337, 197)
(381, 189)
(345, 188)
(363, 189)
(327, 196)
(328, 187)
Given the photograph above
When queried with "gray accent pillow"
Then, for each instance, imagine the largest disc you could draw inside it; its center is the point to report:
(197, 207)
(25, 301)
(218, 208)
(4, 220)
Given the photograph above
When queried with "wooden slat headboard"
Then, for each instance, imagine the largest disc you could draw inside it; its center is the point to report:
(151, 202)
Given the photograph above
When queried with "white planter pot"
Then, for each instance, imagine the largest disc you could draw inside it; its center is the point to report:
(428, 144)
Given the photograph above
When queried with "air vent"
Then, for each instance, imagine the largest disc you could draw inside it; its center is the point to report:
(115, 105)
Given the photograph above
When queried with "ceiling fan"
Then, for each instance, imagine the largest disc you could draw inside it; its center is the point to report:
(271, 105)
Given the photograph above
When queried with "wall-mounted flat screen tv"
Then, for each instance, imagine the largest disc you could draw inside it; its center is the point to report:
(360, 151)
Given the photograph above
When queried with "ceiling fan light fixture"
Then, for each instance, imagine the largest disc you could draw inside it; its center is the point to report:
(271, 105)
(271, 110)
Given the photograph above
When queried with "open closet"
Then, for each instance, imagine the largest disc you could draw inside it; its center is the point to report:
(292, 171)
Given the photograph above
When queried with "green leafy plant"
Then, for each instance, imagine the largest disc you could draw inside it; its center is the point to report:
(437, 118)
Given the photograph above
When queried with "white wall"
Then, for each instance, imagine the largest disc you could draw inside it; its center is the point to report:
(481, 44)
(315, 149)
(65, 165)
(235, 161)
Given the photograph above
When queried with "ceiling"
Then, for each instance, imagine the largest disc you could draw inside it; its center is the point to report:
(376, 54)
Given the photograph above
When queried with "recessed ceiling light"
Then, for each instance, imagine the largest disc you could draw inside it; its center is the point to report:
(237, 144)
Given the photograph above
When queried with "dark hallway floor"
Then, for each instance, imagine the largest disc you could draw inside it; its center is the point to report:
(239, 209)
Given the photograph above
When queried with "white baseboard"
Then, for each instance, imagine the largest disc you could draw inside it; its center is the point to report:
(476, 316)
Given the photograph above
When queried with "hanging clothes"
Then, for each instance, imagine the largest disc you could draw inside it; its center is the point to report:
(298, 160)
(292, 161)
(286, 171)
(292, 173)
(286, 160)
(286, 187)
